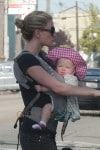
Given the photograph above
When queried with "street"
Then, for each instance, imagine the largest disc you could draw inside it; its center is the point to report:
(10, 107)
(81, 135)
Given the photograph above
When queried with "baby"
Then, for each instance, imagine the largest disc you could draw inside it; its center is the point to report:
(71, 66)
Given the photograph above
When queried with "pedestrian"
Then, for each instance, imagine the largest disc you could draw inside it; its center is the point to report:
(38, 30)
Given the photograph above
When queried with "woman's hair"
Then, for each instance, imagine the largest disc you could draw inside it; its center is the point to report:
(34, 20)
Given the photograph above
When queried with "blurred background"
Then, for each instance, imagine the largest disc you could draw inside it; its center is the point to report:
(77, 25)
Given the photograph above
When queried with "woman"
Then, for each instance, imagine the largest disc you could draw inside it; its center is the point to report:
(38, 30)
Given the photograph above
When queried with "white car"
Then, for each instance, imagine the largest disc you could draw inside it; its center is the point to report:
(7, 78)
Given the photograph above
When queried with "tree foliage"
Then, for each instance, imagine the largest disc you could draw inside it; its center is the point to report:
(93, 13)
(62, 39)
(90, 40)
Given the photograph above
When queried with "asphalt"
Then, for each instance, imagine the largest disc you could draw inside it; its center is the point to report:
(83, 134)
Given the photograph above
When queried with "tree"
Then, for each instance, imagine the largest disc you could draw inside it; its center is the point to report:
(90, 40)
(93, 13)
(61, 39)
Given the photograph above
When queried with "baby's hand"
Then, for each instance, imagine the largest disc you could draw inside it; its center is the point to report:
(40, 88)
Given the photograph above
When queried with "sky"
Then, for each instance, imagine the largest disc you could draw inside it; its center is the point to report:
(55, 7)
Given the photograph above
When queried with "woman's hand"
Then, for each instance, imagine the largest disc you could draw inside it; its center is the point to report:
(97, 93)
(38, 88)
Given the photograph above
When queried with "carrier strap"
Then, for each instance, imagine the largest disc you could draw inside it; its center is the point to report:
(26, 110)
(65, 123)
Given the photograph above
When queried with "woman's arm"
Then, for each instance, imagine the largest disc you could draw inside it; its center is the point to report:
(45, 79)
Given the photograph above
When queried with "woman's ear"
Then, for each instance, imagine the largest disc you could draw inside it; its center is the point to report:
(37, 33)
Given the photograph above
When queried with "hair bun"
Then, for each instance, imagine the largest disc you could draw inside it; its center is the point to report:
(19, 23)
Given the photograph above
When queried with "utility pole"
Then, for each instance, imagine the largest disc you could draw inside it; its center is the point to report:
(77, 28)
(6, 45)
(36, 4)
(48, 2)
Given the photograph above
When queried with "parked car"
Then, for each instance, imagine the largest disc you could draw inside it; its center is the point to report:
(7, 79)
(93, 60)
(92, 80)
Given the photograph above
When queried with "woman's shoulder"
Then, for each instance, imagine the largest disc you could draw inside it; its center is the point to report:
(26, 60)
(27, 57)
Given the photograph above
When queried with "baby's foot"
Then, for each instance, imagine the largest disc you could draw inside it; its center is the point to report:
(39, 126)
(36, 126)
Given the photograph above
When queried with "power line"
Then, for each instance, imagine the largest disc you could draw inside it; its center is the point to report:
(78, 16)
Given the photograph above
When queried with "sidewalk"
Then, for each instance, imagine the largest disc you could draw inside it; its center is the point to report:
(81, 135)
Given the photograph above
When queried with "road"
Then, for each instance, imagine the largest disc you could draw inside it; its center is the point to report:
(81, 135)
(10, 106)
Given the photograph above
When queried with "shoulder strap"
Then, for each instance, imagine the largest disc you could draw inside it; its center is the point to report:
(21, 78)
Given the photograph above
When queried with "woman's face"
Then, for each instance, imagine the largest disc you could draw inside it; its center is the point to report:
(47, 34)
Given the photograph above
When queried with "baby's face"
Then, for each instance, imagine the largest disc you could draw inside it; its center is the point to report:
(65, 66)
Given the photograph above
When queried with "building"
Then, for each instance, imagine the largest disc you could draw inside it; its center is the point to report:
(65, 20)
(10, 40)
(71, 20)
(1, 29)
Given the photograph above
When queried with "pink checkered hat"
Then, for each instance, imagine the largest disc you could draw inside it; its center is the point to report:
(73, 55)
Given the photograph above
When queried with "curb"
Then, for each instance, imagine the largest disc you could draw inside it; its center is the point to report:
(78, 144)
(90, 113)
(7, 149)
(71, 144)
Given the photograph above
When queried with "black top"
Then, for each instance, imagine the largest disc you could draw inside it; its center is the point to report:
(25, 61)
